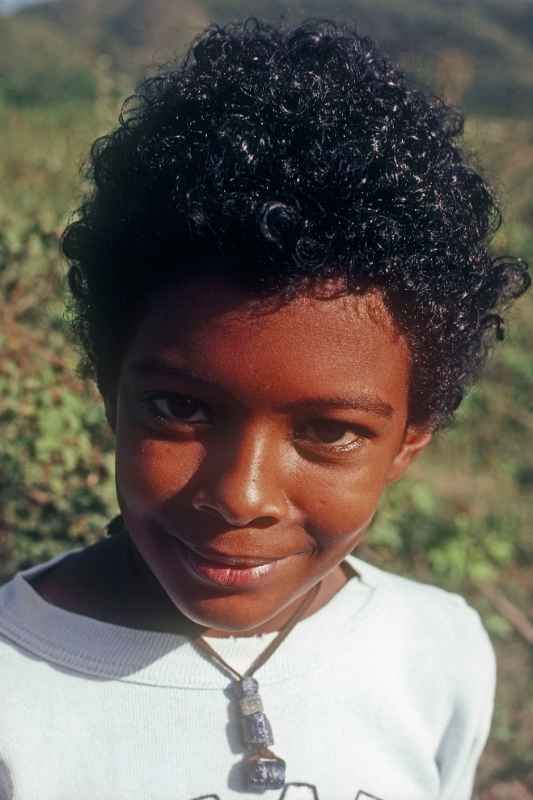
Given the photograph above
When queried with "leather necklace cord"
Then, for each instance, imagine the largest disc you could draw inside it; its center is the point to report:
(271, 648)
(262, 768)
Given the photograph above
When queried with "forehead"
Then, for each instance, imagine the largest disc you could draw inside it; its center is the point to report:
(308, 344)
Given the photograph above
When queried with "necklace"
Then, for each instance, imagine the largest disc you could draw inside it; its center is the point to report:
(264, 770)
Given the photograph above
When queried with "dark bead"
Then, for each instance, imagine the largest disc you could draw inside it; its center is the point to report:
(265, 772)
(256, 729)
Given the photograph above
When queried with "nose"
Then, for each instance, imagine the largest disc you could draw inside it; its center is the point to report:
(244, 485)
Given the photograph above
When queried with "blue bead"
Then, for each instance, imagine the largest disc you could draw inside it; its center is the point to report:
(256, 729)
(265, 773)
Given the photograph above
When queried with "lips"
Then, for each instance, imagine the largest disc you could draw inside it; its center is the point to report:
(239, 562)
(223, 570)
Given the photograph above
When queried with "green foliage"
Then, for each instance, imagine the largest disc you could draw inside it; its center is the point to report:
(56, 460)
(498, 626)
(56, 457)
(416, 531)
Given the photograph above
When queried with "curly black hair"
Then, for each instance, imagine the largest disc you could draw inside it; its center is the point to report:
(280, 158)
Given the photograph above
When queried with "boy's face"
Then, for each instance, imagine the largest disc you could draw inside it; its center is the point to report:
(253, 444)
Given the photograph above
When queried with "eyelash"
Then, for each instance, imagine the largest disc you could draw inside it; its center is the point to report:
(358, 440)
(150, 401)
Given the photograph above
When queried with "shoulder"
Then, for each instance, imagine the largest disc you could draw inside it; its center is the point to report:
(413, 596)
(79, 580)
(31, 599)
(437, 625)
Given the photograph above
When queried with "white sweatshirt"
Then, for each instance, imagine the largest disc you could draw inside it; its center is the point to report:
(386, 693)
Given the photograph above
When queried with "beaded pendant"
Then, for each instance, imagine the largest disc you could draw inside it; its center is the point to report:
(264, 770)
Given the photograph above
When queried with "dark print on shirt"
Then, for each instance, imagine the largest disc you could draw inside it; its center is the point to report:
(365, 796)
(298, 791)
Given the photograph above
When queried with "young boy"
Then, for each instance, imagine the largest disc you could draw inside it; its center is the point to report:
(282, 286)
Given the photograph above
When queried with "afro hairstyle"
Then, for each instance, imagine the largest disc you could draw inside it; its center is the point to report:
(281, 158)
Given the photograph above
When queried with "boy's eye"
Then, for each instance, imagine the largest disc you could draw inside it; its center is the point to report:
(177, 408)
(338, 435)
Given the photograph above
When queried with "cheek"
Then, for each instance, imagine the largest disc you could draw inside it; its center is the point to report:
(342, 505)
(151, 472)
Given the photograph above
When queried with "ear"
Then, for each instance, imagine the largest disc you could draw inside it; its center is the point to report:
(414, 441)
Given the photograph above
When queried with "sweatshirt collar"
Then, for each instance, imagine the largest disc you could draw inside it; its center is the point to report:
(101, 650)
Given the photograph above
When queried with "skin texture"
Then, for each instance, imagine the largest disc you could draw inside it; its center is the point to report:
(258, 462)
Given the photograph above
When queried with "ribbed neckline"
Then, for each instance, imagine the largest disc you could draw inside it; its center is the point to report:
(106, 651)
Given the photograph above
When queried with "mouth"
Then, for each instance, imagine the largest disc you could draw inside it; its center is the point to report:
(239, 562)
(229, 571)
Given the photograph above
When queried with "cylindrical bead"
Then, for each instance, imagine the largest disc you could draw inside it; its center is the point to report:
(250, 704)
(248, 686)
(256, 729)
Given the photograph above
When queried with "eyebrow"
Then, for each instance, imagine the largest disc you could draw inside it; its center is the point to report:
(151, 366)
(361, 402)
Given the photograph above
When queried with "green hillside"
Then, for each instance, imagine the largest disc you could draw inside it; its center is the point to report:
(479, 53)
(38, 64)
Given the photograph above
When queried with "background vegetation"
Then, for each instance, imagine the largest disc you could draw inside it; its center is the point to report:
(463, 518)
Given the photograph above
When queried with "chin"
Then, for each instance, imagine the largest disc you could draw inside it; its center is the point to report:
(232, 614)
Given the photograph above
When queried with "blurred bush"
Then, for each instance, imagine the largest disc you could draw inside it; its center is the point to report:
(48, 69)
(56, 459)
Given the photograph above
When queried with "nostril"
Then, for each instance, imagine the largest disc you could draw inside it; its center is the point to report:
(207, 509)
(255, 522)
(263, 522)
(240, 508)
